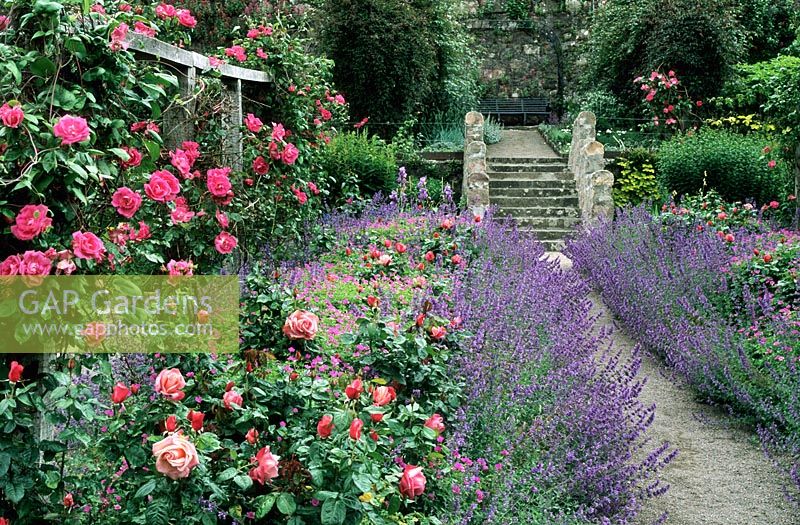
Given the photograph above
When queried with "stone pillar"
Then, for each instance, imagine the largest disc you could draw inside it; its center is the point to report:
(232, 120)
(475, 183)
(178, 121)
(587, 163)
(797, 174)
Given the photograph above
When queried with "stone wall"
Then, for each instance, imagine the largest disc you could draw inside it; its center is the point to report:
(475, 184)
(586, 161)
(517, 58)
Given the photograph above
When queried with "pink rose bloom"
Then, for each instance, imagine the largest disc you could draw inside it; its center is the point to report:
(218, 182)
(290, 154)
(12, 116)
(267, 467)
(261, 54)
(181, 213)
(4, 21)
(225, 243)
(11, 265)
(134, 157)
(313, 188)
(355, 429)
(326, 115)
(162, 186)
(354, 389)
(325, 426)
(222, 218)
(253, 33)
(301, 196)
(169, 383)
(772, 164)
(260, 165)
(88, 246)
(215, 62)
(236, 52)
(118, 36)
(232, 397)
(253, 123)
(175, 456)
(435, 423)
(180, 267)
(186, 19)
(143, 233)
(31, 221)
(125, 8)
(34, 263)
(383, 395)
(385, 260)
(181, 162)
(97, 8)
(301, 324)
(165, 11)
(144, 29)
(438, 332)
(192, 151)
(412, 483)
(71, 130)
(339, 99)
(278, 132)
(126, 201)
(274, 152)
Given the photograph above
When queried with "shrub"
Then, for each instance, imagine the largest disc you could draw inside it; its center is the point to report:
(731, 164)
(605, 105)
(360, 163)
(395, 59)
(699, 41)
(634, 177)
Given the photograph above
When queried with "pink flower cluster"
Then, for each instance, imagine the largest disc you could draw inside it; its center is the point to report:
(170, 12)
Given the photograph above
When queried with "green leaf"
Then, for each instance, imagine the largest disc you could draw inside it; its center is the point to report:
(363, 482)
(158, 512)
(207, 442)
(333, 512)
(244, 481)
(14, 493)
(12, 67)
(76, 47)
(286, 503)
(264, 504)
(227, 474)
(145, 489)
(154, 258)
(5, 463)
(43, 67)
(153, 149)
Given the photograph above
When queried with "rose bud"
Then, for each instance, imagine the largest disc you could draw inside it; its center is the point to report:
(171, 423)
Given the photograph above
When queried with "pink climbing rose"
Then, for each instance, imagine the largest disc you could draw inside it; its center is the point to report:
(126, 201)
(31, 221)
(71, 129)
(253, 123)
(290, 154)
(87, 246)
(218, 182)
(12, 116)
(225, 243)
(162, 186)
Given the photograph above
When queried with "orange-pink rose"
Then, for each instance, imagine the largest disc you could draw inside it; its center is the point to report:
(175, 456)
(301, 324)
(435, 423)
(232, 397)
(383, 395)
(412, 483)
(169, 383)
(267, 467)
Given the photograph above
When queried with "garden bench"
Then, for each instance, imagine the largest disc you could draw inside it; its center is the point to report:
(538, 107)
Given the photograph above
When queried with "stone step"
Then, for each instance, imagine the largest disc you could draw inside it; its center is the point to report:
(528, 168)
(526, 160)
(547, 223)
(534, 202)
(548, 211)
(501, 192)
(531, 183)
(522, 175)
(549, 235)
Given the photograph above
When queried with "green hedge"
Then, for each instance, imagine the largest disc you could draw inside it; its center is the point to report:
(364, 165)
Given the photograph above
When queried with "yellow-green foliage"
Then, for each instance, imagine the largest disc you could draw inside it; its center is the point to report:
(636, 179)
(741, 123)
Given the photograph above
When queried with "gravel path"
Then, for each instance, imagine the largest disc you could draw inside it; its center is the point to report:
(521, 143)
(720, 476)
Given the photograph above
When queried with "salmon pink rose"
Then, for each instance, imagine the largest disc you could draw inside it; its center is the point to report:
(162, 186)
(169, 383)
(225, 243)
(412, 482)
(383, 395)
(88, 246)
(232, 397)
(438, 332)
(267, 466)
(325, 426)
(171, 423)
(71, 130)
(253, 123)
(126, 201)
(120, 393)
(251, 436)
(301, 324)
(435, 423)
(31, 221)
(175, 456)
(355, 429)
(354, 389)
(15, 372)
(196, 420)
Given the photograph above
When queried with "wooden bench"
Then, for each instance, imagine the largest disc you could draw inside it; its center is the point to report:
(537, 107)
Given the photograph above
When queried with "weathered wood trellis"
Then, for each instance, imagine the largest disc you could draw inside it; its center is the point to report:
(178, 122)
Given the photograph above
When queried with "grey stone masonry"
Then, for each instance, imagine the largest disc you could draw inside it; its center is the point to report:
(586, 161)
(475, 184)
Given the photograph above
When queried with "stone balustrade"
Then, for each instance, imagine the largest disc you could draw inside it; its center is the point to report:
(587, 163)
(475, 184)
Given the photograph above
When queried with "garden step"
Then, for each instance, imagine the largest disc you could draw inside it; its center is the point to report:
(520, 175)
(524, 202)
(536, 168)
(531, 183)
(514, 192)
(549, 235)
(531, 211)
(525, 160)
(547, 223)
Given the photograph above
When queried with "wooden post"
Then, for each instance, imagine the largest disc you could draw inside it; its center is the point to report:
(178, 120)
(232, 120)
